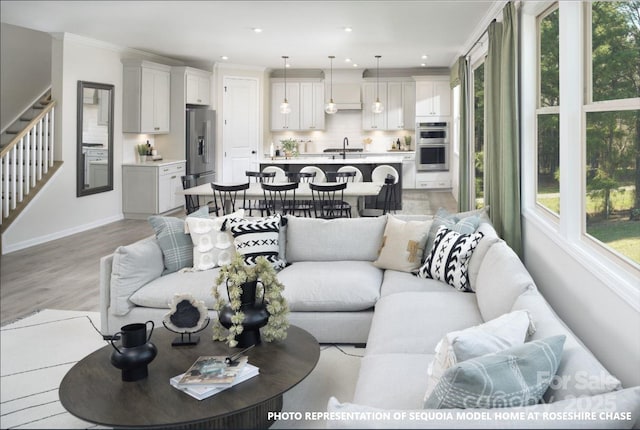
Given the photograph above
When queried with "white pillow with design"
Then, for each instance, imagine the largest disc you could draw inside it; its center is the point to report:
(496, 335)
(448, 260)
(402, 244)
(212, 247)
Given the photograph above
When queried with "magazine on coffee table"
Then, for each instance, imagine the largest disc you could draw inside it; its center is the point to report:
(201, 392)
(213, 370)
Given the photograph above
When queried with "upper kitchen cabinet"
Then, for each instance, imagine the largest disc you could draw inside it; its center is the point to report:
(290, 121)
(401, 105)
(146, 97)
(433, 96)
(371, 91)
(198, 84)
(312, 105)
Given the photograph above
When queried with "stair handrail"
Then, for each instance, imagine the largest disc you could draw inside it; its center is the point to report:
(27, 128)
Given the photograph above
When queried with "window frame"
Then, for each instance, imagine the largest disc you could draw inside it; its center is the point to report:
(569, 233)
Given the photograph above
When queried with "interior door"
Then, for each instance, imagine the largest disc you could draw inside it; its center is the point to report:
(240, 135)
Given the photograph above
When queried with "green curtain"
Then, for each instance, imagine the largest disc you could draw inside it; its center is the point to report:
(502, 142)
(465, 165)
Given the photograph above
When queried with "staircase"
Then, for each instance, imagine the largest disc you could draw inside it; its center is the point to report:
(26, 153)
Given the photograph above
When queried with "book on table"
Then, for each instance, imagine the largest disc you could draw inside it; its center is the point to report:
(201, 392)
(213, 370)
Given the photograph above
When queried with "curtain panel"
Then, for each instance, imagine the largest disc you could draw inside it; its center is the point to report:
(465, 166)
(502, 140)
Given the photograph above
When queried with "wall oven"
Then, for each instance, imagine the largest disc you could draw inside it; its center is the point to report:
(432, 146)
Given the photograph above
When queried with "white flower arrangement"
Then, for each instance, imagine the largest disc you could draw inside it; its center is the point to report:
(233, 276)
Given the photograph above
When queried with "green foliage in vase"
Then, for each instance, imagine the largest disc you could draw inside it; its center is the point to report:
(233, 276)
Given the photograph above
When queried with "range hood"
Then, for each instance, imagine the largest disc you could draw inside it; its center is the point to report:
(346, 96)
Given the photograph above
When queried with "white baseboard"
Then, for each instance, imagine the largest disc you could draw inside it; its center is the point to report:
(6, 249)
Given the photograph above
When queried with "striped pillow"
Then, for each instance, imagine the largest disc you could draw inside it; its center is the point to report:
(462, 223)
(448, 259)
(257, 237)
(517, 376)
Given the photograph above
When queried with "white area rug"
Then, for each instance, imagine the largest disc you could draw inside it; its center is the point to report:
(36, 353)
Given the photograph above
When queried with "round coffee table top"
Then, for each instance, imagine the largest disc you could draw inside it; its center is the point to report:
(93, 389)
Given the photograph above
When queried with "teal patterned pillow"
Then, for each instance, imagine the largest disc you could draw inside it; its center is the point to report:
(463, 225)
(176, 246)
(516, 376)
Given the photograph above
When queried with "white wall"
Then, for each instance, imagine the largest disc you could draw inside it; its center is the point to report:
(56, 211)
(25, 69)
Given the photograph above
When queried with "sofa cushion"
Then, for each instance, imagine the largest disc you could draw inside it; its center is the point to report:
(133, 266)
(392, 380)
(327, 286)
(605, 411)
(415, 322)
(159, 292)
(176, 245)
(501, 279)
(517, 376)
(342, 239)
(402, 244)
(463, 222)
(489, 237)
(402, 282)
(449, 258)
(212, 247)
(580, 373)
(496, 335)
(258, 237)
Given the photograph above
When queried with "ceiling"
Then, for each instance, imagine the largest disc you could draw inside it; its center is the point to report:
(402, 32)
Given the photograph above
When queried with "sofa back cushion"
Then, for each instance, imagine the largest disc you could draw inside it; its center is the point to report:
(489, 238)
(579, 373)
(313, 239)
(501, 279)
(133, 266)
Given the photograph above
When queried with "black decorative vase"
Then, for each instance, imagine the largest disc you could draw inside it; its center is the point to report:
(255, 315)
(135, 351)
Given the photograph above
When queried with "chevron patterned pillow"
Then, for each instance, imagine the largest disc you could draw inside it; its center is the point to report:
(449, 257)
(257, 237)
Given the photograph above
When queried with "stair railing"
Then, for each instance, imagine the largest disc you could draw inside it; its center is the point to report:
(27, 157)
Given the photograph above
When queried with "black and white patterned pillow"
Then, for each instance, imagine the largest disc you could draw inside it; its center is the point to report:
(449, 258)
(257, 237)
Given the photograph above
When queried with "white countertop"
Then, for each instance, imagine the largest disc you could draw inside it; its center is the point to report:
(158, 163)
(367, 159)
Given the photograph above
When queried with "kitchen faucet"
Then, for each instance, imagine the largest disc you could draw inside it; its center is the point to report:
(345, 143)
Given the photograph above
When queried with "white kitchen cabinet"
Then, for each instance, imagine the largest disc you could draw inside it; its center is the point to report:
(312, 105)
(290, 121)
(151, 188)
(433, 97)
(146, 97)
(433, 180)
(408, 170)
(198, 83)
(401, 102)
(370, 92)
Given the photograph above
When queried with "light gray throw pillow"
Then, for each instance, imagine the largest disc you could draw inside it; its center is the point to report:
(517, 376)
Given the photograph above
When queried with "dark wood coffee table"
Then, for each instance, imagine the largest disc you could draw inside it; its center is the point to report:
(93, 390)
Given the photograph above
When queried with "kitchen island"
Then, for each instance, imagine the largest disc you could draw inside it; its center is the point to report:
(330, 164)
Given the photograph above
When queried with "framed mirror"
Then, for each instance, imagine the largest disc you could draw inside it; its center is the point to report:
(94, 138)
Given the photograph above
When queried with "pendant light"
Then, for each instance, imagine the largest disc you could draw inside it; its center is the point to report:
(331, 107)
(285, 108)
(377, 107)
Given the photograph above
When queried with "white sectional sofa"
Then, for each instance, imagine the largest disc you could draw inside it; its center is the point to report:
(339, 290)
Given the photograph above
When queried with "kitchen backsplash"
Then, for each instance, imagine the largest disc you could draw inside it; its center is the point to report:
(337, 127)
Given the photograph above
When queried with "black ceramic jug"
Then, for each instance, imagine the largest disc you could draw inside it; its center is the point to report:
(135, 351)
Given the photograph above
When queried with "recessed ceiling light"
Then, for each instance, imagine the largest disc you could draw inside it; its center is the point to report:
(355, 65)
(424, 57)
(423, 65)
(347, 60)
(224, 57)
(287, 65)
(348, 29)
(257, 30)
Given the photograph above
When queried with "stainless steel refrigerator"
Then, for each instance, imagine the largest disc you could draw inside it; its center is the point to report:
(200, 141)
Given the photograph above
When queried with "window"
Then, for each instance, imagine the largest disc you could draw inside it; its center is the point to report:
(478, 134)
(612, 173)
(547, 112)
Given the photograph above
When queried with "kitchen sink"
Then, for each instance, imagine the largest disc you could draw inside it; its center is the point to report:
(341, 150)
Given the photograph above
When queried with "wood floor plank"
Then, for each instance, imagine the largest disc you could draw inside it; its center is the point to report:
(64, 273)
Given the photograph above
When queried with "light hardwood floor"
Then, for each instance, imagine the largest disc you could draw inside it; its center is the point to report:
(64, 273)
